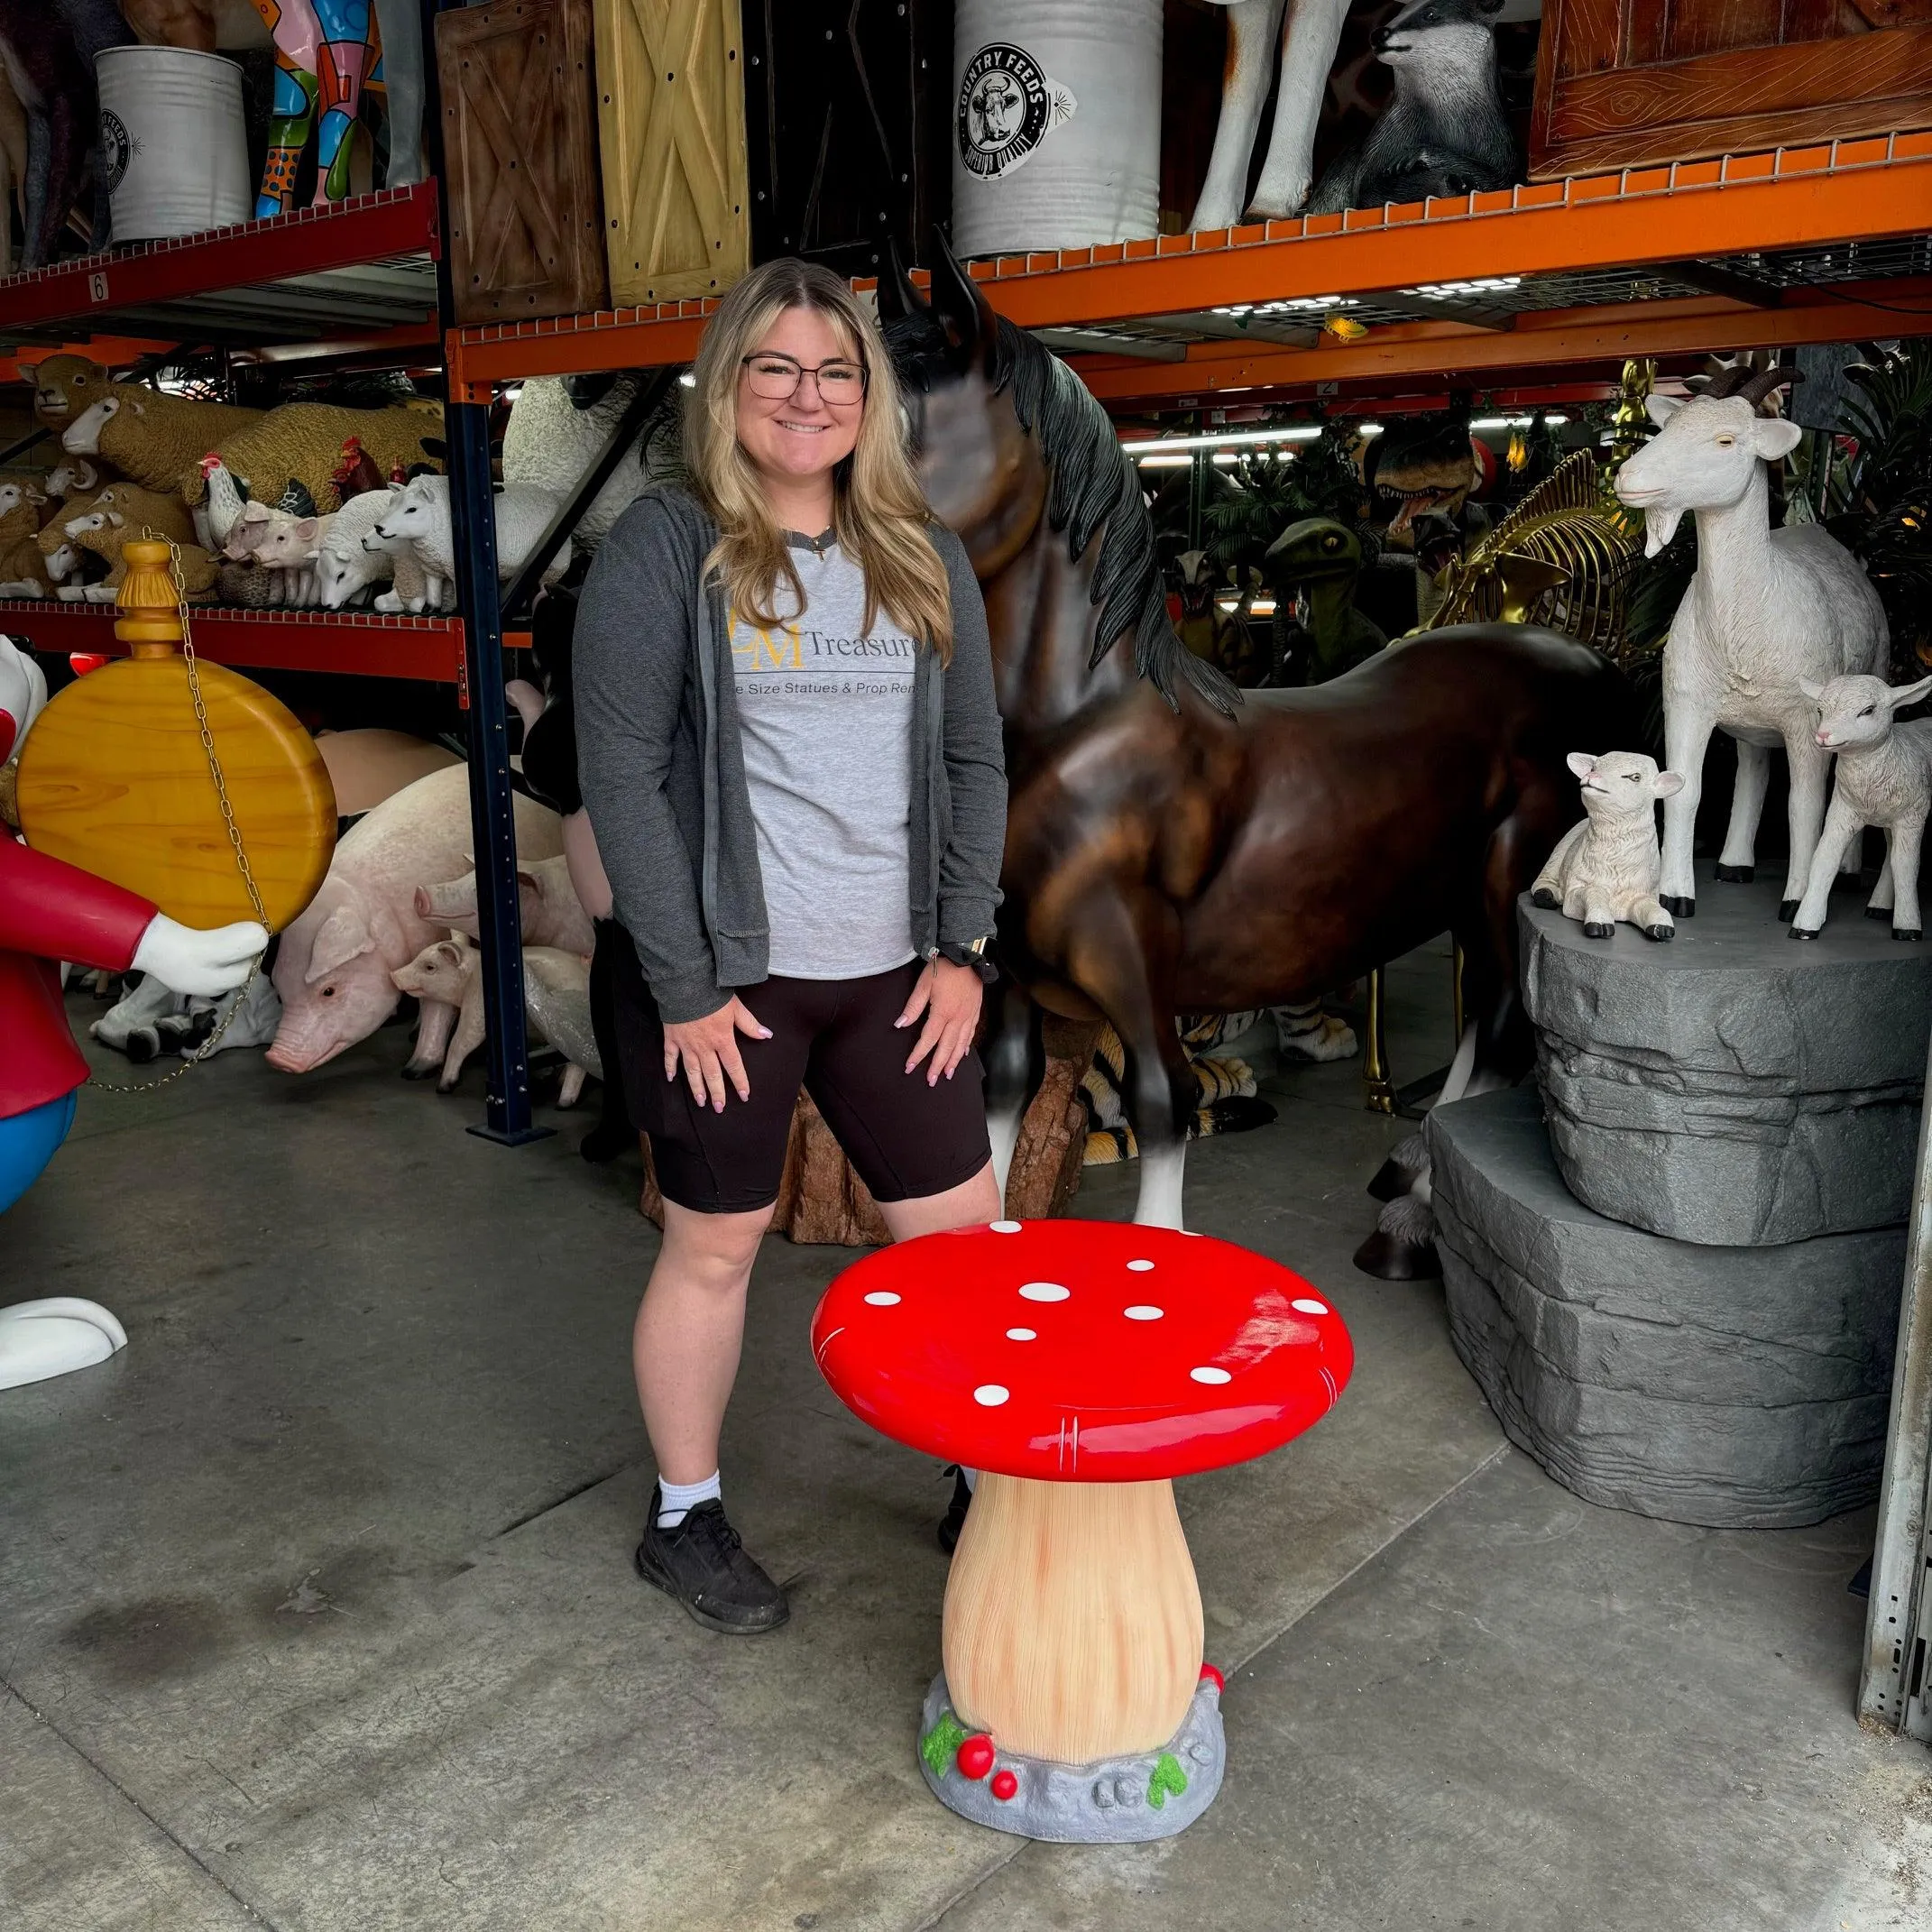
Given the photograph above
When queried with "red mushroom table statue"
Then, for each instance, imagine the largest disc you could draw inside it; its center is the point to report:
(1079, 1366)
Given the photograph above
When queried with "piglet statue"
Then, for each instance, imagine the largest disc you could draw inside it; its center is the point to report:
(552, 914)
(1609, 867)
(333, 970)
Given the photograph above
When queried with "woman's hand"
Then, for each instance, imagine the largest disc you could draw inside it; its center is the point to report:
(949, 995)
(709, 1050)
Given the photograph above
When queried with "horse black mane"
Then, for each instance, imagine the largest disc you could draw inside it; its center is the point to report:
(1093, 488)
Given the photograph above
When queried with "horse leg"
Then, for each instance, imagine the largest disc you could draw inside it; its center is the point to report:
(1311, 36)
(1687, 737)
(1125, 965)
(1251, 29)
(1015, 1062)
(1739, 857)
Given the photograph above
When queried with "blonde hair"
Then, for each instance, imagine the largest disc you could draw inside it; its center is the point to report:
(879, 513)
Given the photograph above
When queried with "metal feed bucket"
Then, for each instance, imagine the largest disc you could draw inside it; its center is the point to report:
(1056, 136)
(173, 143)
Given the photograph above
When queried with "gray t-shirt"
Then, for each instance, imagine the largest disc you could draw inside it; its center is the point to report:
(826, 711)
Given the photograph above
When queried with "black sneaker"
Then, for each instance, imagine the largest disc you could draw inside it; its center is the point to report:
(703, 1565)
(954, 1520)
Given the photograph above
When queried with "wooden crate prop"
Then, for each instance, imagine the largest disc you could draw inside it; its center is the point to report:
(1621, 83)
(526, 229)
(671, 123)
(848, 128)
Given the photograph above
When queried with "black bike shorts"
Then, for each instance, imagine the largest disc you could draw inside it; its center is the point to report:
(835, 1038)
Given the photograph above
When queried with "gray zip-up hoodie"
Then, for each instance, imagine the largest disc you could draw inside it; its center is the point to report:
(662, 771)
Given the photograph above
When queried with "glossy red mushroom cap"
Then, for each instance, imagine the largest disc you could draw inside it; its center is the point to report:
(1081, 1352)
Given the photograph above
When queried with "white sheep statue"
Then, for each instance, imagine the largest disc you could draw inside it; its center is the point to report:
(1884, 778)
(1766, 609)
(345, 566)
(551, 441)
(23, 567)
(419, 515)
(1609, 867)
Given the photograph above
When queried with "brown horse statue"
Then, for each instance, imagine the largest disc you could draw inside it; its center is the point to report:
(1174, 845)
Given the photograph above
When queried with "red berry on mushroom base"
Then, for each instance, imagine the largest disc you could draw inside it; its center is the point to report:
(1079, 1365)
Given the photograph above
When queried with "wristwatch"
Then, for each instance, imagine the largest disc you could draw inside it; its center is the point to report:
(974, 953)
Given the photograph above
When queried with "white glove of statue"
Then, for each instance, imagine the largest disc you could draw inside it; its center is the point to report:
(188, 960)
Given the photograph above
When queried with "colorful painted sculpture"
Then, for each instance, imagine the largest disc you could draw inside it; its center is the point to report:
(324, 49)
(1079, 1366)
(1174, 846)
(48, 912)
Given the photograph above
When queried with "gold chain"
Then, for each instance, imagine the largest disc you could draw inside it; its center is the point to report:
(213, 1043)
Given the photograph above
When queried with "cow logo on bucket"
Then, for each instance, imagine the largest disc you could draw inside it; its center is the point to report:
(116, 148)
(1007, 104)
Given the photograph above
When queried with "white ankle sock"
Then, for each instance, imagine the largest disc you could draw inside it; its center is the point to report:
(675, 1498)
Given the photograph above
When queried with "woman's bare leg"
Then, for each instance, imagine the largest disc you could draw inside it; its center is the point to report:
(974, 1200)
(690, 1328)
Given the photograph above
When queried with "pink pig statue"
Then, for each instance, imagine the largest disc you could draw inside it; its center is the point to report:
(551, 912)
(333, 969)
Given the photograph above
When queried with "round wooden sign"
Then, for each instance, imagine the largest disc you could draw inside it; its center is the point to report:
(114, 779)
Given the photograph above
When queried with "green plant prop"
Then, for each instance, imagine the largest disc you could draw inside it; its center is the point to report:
(1169, 1780)
(940, 1745)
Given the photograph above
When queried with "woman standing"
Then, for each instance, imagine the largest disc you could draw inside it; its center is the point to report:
(790, 754)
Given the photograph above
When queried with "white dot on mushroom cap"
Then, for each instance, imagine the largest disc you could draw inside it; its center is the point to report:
(1140, 1267)
(989, 1395)
(1044, 1291)
(1023, 1335)
(1209, 1374)
(1307, 1305)
(1143, 1312)
(883, 1298)
(1004, 1227)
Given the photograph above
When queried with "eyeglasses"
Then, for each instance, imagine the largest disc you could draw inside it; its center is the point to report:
(776, 377)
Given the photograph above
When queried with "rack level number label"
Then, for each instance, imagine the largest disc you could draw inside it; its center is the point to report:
(97, 286)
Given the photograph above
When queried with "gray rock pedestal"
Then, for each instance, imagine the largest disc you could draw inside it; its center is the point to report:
(1739, 1387)
(1733, 1087)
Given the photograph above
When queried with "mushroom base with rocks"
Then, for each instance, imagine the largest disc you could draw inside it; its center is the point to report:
(1124, 1800)
(1079, 1366)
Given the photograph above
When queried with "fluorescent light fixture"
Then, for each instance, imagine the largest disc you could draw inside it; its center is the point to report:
(1220, 439)
(1504, 422)
(1289, 305)
(1368, 428)
(1483, 285)
(1553, 418)
(1166, 463)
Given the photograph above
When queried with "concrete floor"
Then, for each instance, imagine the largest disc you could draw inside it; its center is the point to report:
(317, 1611)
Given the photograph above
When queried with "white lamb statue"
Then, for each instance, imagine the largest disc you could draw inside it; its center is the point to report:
(1609, 867)
(1884, 778)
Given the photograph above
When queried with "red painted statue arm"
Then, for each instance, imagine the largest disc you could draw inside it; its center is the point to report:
(55, 911)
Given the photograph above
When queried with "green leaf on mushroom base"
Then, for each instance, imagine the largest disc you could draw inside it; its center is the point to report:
(939, 1745)
(1169, 1780)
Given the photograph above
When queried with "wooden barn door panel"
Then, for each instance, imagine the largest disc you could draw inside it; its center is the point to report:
(520, 137)
(671, 112)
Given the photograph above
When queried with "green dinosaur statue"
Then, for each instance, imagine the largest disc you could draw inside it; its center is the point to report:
(1323, 559)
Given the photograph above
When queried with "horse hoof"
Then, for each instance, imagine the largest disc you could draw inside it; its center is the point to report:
(1546, 898)
(1877, 911)
(1660, 932)
(1681, 908)
(1737, 875)
(1391, 1181)
(1908, 931)
(1390, 1258)
(1804, 932)
(1595, 929)
(1786, 909)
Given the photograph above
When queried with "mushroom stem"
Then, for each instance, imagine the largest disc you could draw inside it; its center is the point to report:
(1072, 1624)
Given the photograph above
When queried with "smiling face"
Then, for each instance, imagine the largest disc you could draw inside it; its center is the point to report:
(792, 440)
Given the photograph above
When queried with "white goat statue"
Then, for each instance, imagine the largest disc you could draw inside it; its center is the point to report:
(1884, 778)
(1766, 610)
(420, 516)
(1607, 868)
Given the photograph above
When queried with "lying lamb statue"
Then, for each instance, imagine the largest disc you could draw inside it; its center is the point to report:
(1884, 778)
(1609, 867)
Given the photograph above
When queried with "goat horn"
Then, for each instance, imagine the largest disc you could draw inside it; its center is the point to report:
(1761, 386)
(1727, 380)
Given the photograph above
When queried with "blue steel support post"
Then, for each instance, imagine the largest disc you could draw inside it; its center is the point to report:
(492, 820)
